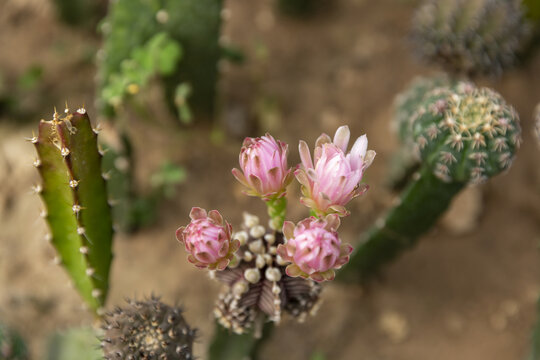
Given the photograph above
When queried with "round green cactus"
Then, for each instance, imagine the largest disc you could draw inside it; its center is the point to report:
(465, 134)
(407, 102)
(147, 330)
(470, 36)
(12, 346)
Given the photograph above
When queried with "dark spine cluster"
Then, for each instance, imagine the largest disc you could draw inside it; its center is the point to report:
(147, 330)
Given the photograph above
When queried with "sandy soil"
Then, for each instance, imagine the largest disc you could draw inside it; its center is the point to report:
(464, 293)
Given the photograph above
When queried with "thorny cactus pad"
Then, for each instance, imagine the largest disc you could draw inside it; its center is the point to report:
(466, 135)
(470, 36)
(75, 197)
(332, 178)
(147, 330)
(208, 239)
(258, 286)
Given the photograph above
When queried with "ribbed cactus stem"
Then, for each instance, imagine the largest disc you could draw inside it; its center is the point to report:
(419, 207)
(74, 193)
(277, 209)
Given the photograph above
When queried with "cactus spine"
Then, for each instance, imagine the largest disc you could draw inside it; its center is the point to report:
(461, 135)
(192, 24)
(147, 330)
(75, 197)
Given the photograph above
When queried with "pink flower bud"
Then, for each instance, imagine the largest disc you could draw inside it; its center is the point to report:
(314, 248)
(333, 178)
(208, 239)
(264, 171)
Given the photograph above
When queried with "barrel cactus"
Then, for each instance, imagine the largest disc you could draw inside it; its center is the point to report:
(470, 36)
(461, 135)
(147, 330)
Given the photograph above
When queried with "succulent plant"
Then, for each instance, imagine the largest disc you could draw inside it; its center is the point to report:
(461, 135)
(470, 36)
(75, 197)
(12, 346)
(258, 287)
(147, 329)
(194, 25)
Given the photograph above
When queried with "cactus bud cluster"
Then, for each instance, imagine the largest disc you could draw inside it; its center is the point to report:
(470, 36)
(147, 330)
(465, 134)
(259, 284)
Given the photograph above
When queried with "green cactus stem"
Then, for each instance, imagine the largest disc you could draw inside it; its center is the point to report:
(470, 37)
(461, 136)
(226, 345)
(12, 346)
(277, 209)
(192, 24)
(74, 193)
(77, 343)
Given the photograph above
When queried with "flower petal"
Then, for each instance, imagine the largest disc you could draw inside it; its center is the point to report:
(197, 213)
(305, 155)
(341, 138)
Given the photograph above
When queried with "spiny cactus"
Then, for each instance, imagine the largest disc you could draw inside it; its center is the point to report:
(470, 36)
(75, 197)
(12, 346)
(462, 136)
(147, 330)
(192, 24)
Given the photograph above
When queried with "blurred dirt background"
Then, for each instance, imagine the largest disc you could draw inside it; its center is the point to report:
(467, 292)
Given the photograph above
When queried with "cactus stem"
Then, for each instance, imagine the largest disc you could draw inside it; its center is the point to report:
(83, 250)
(76, 208)
(37, 189)
(37, 163)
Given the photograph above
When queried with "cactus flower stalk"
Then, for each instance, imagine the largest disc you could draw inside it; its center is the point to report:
(333, 177)
(207, 238)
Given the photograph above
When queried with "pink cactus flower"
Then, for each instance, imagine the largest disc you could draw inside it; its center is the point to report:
(207, 238)
(264, 172)
(314, 248)
(333, 178)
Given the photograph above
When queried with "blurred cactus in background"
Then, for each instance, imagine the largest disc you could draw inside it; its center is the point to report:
(533, 9)
(85, 13)
(12, 346)
(461, 135)
(470, 37)
(76, 204)
(147, 329)
(77, 343)
(130, 32)
(298, 7)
